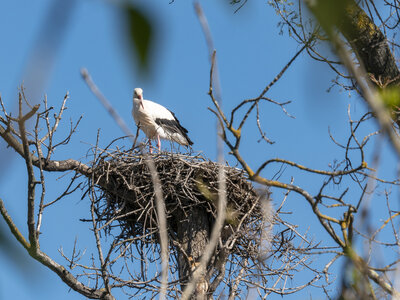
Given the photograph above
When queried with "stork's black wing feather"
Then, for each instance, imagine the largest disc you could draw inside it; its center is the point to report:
(174, 126)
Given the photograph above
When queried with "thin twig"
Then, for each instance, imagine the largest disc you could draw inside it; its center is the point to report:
(99, 95)
(370, 94)
(162, 218)
(220, 219)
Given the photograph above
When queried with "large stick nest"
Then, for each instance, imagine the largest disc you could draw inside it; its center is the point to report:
(188, 183)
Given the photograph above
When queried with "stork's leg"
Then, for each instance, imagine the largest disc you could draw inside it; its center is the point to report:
(150, 147)
(158, 143)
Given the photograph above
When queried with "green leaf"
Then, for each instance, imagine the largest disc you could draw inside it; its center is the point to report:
(390, 95)
(140, 34)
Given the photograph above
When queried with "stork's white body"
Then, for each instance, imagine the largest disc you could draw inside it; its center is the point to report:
(157, 122)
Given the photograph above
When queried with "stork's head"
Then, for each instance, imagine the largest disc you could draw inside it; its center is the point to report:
(138, 94)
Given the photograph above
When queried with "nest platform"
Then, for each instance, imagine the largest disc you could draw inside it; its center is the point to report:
(127, 198)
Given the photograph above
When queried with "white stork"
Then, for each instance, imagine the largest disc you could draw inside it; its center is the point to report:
(157, 122)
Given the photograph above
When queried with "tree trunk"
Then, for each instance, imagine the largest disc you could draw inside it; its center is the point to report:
(193, 234)
(370, 44)
(366, 40)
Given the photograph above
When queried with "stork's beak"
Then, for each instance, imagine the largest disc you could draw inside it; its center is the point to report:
(141, 101)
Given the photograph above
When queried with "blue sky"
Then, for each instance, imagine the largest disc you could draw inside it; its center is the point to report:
(250, 54)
